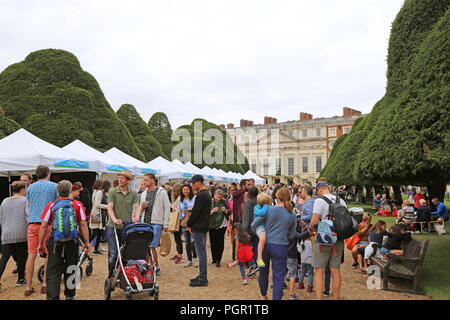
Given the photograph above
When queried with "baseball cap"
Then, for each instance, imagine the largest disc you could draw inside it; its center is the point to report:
(196, 178)
(75, 187)
(321, 184)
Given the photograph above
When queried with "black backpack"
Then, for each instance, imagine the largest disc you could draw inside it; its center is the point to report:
(345, 225)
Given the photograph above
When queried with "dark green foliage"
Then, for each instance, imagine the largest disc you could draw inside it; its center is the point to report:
(161, 129)
(52, 97)
(140, 131)
(406, 137)
(7, 126)
(410, 27)
(222, 145)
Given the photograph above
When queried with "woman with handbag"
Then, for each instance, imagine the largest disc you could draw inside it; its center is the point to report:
(97, 222)
(187, 200)
(174, 224)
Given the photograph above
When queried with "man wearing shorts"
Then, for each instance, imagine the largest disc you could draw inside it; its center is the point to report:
(155, 206)
(324, 255)
(38, 195)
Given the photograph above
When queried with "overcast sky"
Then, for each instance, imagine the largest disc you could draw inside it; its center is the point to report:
(219, 60)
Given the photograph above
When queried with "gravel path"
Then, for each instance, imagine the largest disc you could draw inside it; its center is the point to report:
(224, 284)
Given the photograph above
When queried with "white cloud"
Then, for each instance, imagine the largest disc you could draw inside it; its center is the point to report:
(219, 60)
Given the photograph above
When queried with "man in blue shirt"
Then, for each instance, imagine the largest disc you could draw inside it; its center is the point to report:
(441, 210)
(38, 195)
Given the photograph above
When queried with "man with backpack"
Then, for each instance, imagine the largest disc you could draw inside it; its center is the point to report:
(331, 215)
(68, 223)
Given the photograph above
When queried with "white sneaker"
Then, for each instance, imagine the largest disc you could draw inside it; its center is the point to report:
(195, 262)
(187, 264)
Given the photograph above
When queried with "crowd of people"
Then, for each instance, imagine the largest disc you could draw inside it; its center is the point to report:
(415, 212)
(267, 225)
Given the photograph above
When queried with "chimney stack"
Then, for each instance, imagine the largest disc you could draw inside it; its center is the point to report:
(246, 123)
(230, 126)
(221, 126)
(269, 120)
(305, 116)
(348, 112)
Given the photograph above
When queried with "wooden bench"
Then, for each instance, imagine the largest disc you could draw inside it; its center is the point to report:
(408, 266)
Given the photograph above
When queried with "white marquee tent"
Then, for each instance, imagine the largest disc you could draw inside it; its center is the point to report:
(110, 165)
(168, 169)
(258, 180)
(115, 153)
(22, 151)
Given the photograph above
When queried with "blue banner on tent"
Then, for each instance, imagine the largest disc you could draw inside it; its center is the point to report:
(117, 168)
(72, 164)
(144, 171)
(187, 175)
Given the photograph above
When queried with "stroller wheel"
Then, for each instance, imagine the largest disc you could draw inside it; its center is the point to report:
(89, 269)
(40, 273)
(107, 291)
(156, 294)
(128, 296)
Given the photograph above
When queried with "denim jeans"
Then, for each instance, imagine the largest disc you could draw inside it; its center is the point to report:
(200, 247)
(190, 248)
(242, 268)
(113, 251)
(277, 254)
(255, 242)
(307, 269)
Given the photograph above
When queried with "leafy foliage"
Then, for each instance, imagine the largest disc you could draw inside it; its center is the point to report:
(140, 131)
(406, 137)
(7, 126)
(52, 97)
(161, 129)
(221, 145)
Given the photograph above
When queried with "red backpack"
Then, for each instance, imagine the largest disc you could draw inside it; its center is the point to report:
(245, 253)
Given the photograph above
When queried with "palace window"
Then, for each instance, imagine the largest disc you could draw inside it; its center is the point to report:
(305, 164)
(290, 166)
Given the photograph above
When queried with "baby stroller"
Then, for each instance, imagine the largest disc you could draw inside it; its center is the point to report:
(134, 269)
(82, 258)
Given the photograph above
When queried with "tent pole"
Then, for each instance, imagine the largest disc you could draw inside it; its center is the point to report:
(9, 184)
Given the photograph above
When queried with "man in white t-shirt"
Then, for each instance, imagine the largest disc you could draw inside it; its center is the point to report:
(326, 255)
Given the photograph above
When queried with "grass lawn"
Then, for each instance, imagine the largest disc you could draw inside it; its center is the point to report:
(435, 273)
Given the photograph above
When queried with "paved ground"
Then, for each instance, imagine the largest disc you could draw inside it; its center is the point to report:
(224, 284)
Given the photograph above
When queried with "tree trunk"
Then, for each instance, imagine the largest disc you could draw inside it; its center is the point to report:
(397, 195)
(436, 190)
(378, 189)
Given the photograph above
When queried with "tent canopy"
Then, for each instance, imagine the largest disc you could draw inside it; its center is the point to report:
(122, 156)
(168, 169)
(110, 165)
(23, 151)
(258, 180)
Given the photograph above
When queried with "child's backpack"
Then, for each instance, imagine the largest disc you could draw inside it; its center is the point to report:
(325, 233)
(64, 221)
(245, 253)
(344, 223)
